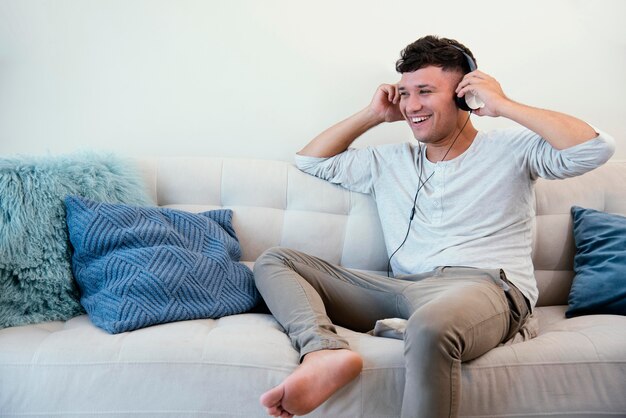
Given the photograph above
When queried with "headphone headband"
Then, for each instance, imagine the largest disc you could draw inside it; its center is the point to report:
(469, 102)
(470, 61)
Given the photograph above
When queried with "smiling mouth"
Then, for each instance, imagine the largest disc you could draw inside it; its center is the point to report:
(419, 119)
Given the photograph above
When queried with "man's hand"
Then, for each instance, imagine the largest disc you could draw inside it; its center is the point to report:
(385, 104)
(336, 139)
(487, 89)
(560, 130)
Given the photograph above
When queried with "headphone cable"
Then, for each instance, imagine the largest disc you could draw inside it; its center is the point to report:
(421, 184)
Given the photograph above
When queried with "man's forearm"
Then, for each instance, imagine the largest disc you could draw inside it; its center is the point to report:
(560, 130)
(338, 138)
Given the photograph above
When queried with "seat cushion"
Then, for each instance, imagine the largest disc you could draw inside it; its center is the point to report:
(573, 366)
(203, 367)
(190, 368)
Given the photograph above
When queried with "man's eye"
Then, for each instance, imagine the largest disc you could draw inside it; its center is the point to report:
(425, 91)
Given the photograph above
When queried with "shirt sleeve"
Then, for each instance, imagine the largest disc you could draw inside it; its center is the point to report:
(352, 169)
(547, 162)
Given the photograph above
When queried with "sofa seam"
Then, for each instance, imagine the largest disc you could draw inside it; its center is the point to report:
(595, 349)
(544, 364)
(365, 369)
(151, 363)
(548, 414)
(118, 412)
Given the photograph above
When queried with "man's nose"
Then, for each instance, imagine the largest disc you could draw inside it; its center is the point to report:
(414, 104)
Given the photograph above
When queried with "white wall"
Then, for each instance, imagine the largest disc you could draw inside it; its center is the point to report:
(261, 78)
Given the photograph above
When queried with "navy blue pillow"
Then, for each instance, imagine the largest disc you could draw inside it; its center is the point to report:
(141, 266)
(599, 285)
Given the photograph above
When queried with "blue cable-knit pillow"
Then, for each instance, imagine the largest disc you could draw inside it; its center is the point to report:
(141, 266)
(599, 286)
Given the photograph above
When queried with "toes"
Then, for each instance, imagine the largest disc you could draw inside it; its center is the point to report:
(278, 411)
(272, 398)
(274, 411)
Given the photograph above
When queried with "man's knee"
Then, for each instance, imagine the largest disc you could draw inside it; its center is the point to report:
(453, 330)
(433, 329)
(271, 256)
(271, 260)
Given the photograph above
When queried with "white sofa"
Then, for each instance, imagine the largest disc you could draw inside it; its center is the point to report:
(218, 368)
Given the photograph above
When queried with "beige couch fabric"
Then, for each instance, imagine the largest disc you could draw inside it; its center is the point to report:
(218, 368)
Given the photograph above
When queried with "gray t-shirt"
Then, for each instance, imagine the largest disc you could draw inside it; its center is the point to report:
(477, 210)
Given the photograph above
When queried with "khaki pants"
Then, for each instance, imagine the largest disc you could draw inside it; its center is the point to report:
(454, 314)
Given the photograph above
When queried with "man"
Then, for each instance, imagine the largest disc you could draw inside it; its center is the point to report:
(457, 213)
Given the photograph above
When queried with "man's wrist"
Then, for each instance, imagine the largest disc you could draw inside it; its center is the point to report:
(508, 108)
(369, 118)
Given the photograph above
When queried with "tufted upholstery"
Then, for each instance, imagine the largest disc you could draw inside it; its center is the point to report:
(218, 368)
(296, 210)
(553, 244)
(274, 204)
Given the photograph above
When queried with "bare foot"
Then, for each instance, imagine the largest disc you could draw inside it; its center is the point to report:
(321, 374)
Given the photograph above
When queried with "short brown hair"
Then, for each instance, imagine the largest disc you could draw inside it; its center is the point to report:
(434, 51)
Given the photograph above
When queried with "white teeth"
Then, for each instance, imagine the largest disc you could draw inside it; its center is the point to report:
(418, 120)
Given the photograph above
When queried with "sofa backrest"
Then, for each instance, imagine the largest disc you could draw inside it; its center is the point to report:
(275, 204)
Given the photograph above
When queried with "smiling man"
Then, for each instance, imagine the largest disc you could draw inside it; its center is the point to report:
(457, 211)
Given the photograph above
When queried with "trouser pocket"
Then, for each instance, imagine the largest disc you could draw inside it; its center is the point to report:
(518, 306)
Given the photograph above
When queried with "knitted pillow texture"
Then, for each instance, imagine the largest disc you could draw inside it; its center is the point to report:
(141, 266)
(36, 282)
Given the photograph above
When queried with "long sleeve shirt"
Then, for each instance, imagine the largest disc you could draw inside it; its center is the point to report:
(476, 210)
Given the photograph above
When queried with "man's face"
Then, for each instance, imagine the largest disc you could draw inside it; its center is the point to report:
(427, 103)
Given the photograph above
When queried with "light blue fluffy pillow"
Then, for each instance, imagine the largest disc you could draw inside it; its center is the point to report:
(36, 282)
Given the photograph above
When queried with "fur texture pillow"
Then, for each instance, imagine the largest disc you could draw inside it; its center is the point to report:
(36, 282)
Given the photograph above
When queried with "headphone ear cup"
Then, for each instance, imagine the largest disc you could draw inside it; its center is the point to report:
(460, 101)
(461, 104)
